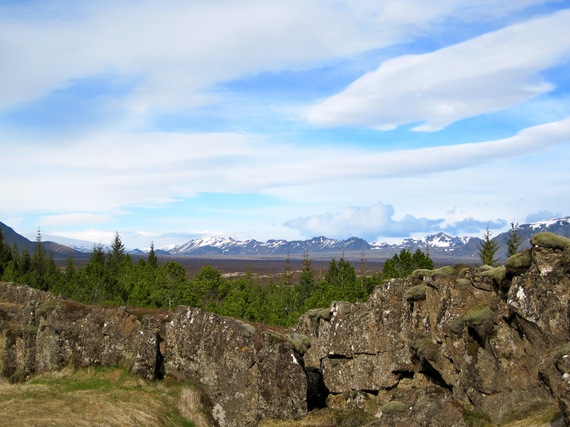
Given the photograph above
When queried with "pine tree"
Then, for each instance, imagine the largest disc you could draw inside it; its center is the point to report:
(152, 258)
(307, 278)
(404, 263)
(39, 264)
(514, 240)
(116, 256)
(5, 254)
(488, 249)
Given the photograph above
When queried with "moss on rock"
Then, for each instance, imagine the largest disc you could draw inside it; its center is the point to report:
(416, 293)
(550, 240)
(519, 263)
(320, 313)
(481, 321)
(393, 407)
(425, 348)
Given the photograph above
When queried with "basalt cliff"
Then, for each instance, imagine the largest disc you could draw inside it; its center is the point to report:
(456, 346)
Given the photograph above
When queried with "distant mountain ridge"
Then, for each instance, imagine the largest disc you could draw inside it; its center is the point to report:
(229, 246)
(440, 246)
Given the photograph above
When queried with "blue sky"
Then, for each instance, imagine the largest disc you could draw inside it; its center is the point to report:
(167, 121)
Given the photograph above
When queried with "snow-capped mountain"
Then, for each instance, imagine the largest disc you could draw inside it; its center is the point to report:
(439, 245)
(229, 246)
(439, 240)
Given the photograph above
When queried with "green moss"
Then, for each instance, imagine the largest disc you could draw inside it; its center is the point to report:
(249, 330)
(416, 293)
(472, 348)
(475, 418)
(421, 273)
(300, 343)
(462, 282)
(425, 348)
(320, 313)
(519, 263)
(456, 325)
(496, 273)
(543, 409)
(481, 319)
(394, 407)
(444, 271)
(550, 240)
(484, 268)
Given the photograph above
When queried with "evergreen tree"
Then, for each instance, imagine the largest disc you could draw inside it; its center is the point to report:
(341, 281)
(5, 254)
(93, 287)
(206, 287)
(488, 249)
(116, 255)
(39, 265)
(288, 273)
(514, 240)
(403, 264)
(152, 258)
(307, 278)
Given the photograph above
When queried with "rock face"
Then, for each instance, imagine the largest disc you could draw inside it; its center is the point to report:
(244, 373)
(442, 345)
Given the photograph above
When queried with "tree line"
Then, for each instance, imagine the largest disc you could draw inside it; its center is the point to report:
(113, 278)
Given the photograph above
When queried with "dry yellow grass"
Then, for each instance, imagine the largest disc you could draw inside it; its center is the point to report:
(97, 397)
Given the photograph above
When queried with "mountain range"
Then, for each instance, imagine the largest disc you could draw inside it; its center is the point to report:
(441, 247)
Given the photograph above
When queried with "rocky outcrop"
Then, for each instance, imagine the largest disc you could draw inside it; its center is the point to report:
(443, 345)
(244, 373)
(455, 346)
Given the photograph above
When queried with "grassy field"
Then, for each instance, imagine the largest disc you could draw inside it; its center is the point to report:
(98, 396)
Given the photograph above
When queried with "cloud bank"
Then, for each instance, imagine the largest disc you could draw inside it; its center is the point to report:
(377, 222)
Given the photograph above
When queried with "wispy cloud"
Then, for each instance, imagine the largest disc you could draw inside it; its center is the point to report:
(120, 170)
(74, 219)
(489, 73)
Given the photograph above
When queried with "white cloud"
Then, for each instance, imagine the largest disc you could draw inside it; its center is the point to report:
(485, 74)
(377, 222)
(109, 172)
(541, 216)
(74, 219)
(173, 51)
(366, 222)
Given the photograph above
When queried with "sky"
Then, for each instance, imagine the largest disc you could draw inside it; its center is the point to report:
(174, 120)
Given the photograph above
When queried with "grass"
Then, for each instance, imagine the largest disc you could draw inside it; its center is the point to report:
(96, 396)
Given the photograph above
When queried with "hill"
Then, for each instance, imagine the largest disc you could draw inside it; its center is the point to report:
(56, 249)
